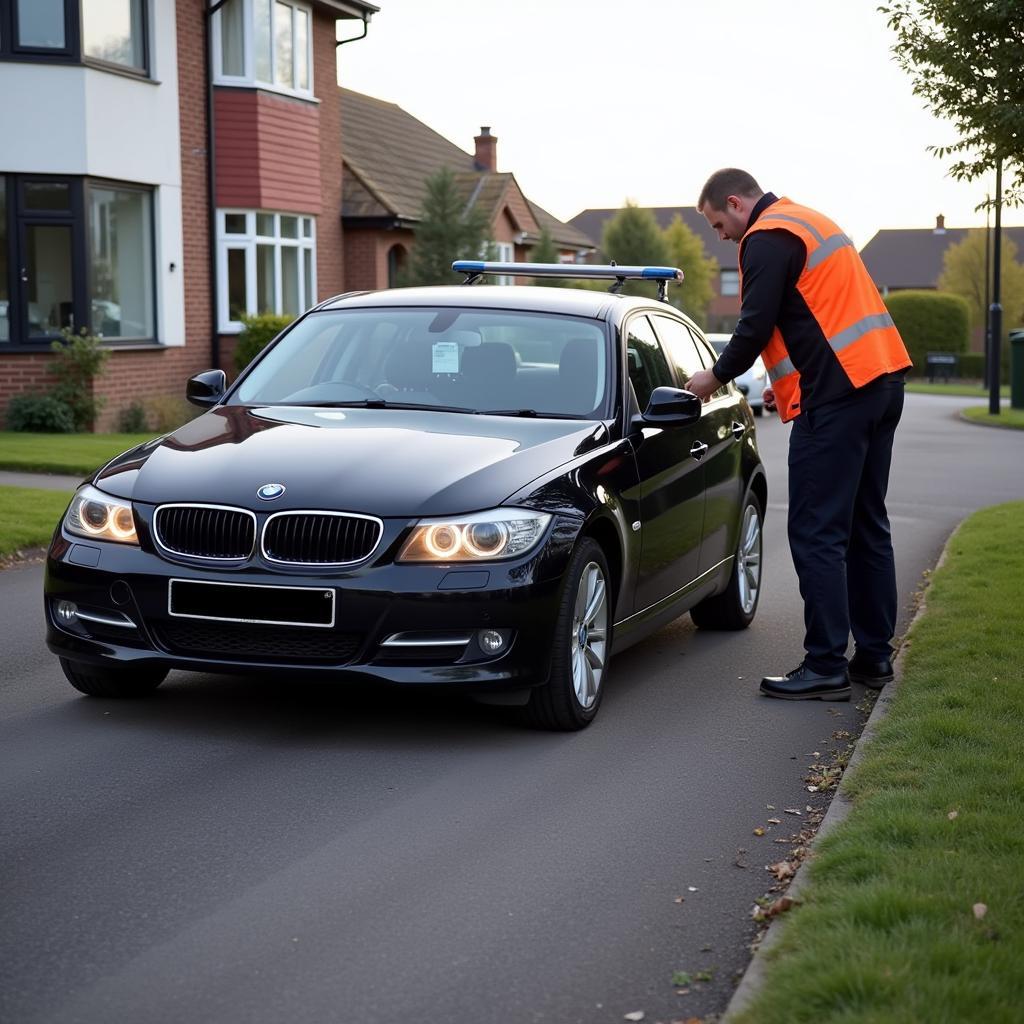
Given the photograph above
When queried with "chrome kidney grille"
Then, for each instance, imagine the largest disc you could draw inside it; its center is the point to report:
(320, 538)
(205, 531)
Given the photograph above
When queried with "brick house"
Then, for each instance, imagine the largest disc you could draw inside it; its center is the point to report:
(114, 228)
(388, 156)
(724, 308)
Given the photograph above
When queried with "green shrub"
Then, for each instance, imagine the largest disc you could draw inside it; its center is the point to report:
(79, 362)
(971, 366)
(132, 419)
(168, 412)
(258, 332)
(41, 414)
(929, 322)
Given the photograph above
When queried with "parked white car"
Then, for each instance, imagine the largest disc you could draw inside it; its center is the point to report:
(753, 382)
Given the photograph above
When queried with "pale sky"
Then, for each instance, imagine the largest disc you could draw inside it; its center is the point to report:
(593, 102)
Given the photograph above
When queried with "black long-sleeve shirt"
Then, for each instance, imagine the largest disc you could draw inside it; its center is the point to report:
(772, 262)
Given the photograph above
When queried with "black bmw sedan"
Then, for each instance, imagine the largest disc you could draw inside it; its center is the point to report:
(483, 487)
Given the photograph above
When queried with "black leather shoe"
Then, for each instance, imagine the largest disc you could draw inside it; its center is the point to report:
(873, 672)
(803, 684)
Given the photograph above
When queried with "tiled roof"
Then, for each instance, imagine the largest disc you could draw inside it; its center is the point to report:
(389, 155)
(592, 222)
(913, 257)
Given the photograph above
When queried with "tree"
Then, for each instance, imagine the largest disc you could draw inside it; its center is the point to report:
(545, 251)
(963, 273)
(965, 59)
(686, 251)
(632, 238)
(447, 231)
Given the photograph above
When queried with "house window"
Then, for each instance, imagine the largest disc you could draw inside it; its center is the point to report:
(113, 31)
(267, 264)
(504, 252)
(266, 43)
(75, 253)
(396, 265)
(69, 31)
(729, 282)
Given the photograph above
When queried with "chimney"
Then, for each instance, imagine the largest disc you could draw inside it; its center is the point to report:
(940, 225)
(486, 157)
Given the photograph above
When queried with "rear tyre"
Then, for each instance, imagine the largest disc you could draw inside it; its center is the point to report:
(112, 682)
(736, 606)
(579, 659)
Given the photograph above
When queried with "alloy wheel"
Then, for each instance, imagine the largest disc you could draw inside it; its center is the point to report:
(588, 646)
(748, 556)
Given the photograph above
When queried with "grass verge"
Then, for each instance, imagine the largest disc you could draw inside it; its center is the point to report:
(1012, 419)
(62, 453)
(920, 387)
(28, 516)
(892, 927)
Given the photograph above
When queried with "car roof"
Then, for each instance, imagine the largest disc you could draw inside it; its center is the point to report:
(600, 305)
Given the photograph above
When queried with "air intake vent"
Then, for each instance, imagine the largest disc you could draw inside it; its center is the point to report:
(205, 531)
(275, 644)
(320, 538)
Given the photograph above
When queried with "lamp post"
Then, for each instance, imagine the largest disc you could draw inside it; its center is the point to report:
(986, 347)
(995, 312)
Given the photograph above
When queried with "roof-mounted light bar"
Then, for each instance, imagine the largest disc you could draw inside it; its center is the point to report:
(475, 269)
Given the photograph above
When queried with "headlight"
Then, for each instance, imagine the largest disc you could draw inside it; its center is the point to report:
(481, 537)
(98, 516)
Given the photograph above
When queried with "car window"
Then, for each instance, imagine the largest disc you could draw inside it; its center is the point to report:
(710, 350)
(648, 367)
(682, 347)
(478, 360)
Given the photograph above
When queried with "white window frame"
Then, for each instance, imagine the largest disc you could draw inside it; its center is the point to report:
(733, 277)
(247, 242)
(504, 252)
(248, 78)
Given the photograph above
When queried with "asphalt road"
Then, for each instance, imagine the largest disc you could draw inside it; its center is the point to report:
(263, 851)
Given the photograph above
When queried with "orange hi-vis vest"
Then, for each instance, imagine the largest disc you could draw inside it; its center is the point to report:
(841, 297)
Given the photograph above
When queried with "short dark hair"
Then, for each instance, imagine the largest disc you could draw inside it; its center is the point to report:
(729, 181)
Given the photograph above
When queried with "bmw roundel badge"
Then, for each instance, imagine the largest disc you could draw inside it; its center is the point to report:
(270, 491)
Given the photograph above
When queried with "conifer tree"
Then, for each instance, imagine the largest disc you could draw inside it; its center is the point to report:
(447, 231)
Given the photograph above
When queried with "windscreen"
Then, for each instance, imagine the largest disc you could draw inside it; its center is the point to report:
(485, 361)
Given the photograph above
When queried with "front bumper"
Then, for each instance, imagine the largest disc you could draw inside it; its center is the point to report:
(122, 598)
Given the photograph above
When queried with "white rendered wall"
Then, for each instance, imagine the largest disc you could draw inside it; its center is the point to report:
(60, 119)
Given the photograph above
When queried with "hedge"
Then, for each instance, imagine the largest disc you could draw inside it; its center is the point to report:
(929, 322)
(257, 333)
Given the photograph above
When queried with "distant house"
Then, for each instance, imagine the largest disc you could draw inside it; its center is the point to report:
(388, 155)
(901, 258)
(725, 304)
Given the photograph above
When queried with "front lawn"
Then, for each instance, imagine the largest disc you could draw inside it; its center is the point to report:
(914, 908)
(62, 453)
(1012, 418)
(28, 517)
(958, 389)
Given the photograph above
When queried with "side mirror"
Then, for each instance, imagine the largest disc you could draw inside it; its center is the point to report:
(670, 407)
(206, 389)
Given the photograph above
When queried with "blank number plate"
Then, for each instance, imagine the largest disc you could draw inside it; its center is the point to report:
(241, 602)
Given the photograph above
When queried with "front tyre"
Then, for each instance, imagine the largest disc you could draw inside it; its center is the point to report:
(579, 662)
(112, 682)
(736, 606)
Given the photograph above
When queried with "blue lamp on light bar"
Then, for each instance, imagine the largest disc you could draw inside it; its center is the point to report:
(475, 269)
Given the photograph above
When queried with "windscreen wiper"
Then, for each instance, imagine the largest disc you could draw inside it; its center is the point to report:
(381, 403)
(529, 413)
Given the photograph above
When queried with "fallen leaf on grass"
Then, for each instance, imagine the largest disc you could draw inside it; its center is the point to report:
(952, 815)
(980, 910)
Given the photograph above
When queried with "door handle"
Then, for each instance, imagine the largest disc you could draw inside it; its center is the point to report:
(698, 450)
(738, 430)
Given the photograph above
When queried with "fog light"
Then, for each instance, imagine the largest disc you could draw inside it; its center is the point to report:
(67, 611)
(490, 641)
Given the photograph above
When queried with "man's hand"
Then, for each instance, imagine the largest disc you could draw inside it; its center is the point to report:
(703, 384)
(768, 395)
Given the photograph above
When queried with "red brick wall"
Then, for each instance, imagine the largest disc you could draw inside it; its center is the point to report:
(268, 150)
(366, 256)
(330, 265)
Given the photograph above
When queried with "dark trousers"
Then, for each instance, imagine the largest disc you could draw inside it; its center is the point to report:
(839, 457)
